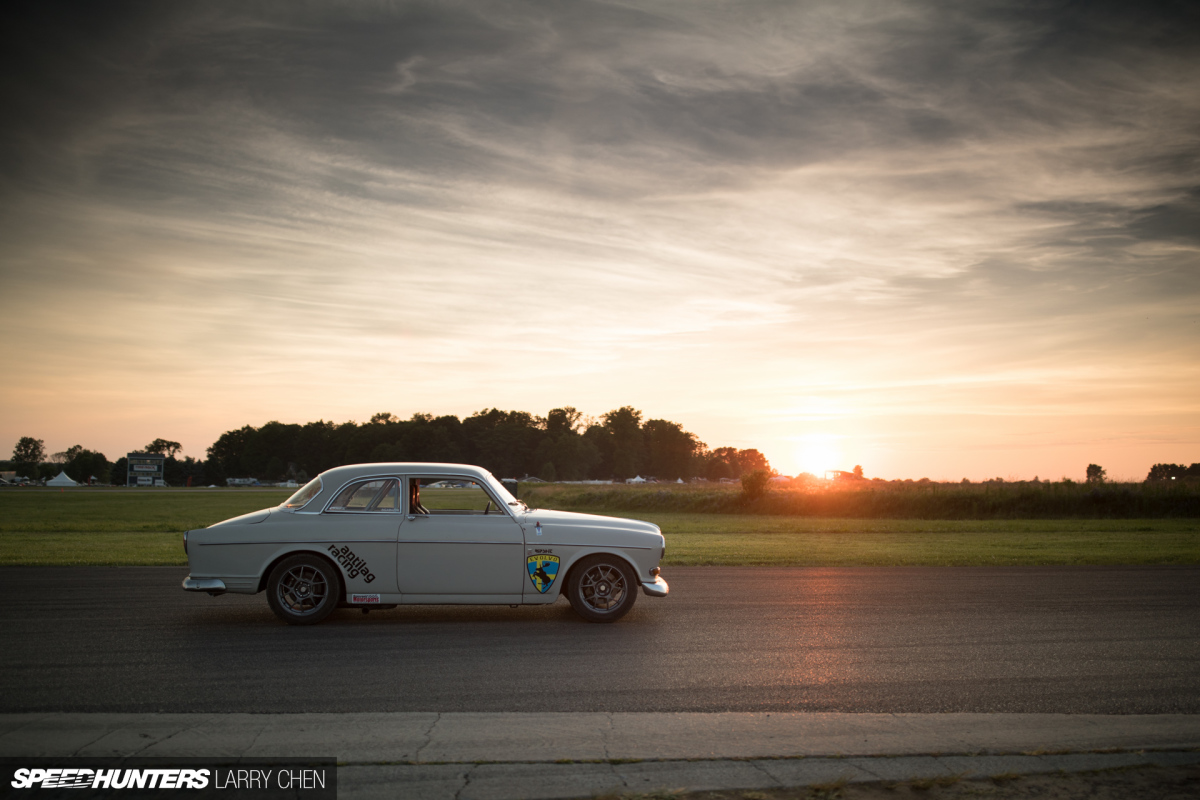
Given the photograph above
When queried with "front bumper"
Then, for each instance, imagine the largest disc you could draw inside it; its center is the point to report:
(655, 588)
(210, 585)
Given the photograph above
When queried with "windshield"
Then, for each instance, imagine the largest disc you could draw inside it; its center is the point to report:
(505, 496)
(304, 496)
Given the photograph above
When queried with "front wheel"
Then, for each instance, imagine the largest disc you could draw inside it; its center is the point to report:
(303, 589)
(602, 588)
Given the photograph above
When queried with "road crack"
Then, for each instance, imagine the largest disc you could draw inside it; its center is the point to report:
(184, 729)
(428, 738)
(775, 782)
(466, 782)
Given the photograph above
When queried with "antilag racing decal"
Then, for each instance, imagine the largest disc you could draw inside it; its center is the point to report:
(353, 565)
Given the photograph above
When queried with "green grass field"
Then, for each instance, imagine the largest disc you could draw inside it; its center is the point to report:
(143, 527)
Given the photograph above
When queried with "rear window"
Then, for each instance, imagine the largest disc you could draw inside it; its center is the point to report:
(377, 494)
(305, 495)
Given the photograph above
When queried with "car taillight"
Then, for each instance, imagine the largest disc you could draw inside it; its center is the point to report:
(185, 533)
(654, 572)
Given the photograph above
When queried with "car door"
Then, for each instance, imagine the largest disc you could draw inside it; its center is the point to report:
(361, 524)
(457, 540)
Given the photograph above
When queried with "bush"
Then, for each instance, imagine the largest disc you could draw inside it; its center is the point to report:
(754, 484)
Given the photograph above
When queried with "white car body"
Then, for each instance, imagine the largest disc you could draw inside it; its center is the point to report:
(395, 551)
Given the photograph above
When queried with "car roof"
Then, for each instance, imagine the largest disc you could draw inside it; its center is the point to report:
(352, 471)
(332, 480)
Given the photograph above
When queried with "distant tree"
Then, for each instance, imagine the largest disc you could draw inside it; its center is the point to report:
(624, 428)
(275, 469)
(721, 463)
(176, 472)
(670, 450)
(753, 461)
(383, 417)
(387, 452)
(563, 420)
(1166, 472)
(118, 473)
(1096, 473)
(226, 453)
(63, 458)
(504, 442)
(163, 447)
(548, 472)
(315, 447)
(83, 465)
(754, 484)
(573, 456)
(858, 471)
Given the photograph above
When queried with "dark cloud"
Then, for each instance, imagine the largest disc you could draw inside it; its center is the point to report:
(1174, 221)
(356, 119)
(413, 83)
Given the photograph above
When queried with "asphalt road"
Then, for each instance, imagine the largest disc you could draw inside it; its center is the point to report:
(920, 639)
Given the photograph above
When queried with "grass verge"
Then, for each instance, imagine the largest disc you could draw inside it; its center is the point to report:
(133, 528)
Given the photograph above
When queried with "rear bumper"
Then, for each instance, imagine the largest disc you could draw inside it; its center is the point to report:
(210, 585)
(655, 588)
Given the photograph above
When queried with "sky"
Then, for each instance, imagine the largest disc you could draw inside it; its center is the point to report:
(936, 239)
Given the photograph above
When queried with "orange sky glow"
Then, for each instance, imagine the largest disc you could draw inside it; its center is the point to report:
(934, 244)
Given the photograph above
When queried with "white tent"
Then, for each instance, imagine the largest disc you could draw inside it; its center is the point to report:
(637, 479)
(61, 480)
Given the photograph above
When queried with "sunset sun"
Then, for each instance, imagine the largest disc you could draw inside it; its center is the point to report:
(818, 453)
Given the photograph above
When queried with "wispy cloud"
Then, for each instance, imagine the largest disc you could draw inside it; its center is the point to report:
(728, 215)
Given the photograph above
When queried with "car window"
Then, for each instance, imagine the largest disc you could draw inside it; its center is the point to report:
(389, 500)
(450, 496)
(379, 494)
(307, 493)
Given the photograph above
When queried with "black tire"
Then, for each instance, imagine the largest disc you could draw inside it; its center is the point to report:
(304, 589)
(602, 588)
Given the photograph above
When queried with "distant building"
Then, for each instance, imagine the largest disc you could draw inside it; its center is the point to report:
(145, 469)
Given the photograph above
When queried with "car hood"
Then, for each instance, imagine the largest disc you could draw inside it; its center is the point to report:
(575, 519)
(245, 519)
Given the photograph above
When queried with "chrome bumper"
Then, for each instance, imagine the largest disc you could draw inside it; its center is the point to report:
(655, 588)
(210, 585)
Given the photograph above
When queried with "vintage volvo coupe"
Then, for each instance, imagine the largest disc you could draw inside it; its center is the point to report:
(382, 535)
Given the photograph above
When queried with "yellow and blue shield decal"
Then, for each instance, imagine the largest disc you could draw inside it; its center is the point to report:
(543, 570)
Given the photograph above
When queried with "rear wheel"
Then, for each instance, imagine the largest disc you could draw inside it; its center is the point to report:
(303, 589)
(602, 588)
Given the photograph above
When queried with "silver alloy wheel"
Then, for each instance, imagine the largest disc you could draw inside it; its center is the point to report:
(302, 590)
(602, 588)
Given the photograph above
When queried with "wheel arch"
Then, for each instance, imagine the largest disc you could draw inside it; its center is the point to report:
(337, 569)
(583, 556)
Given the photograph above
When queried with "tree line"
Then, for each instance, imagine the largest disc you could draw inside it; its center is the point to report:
(1168, 472)
(562, 446)
(29, 460)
